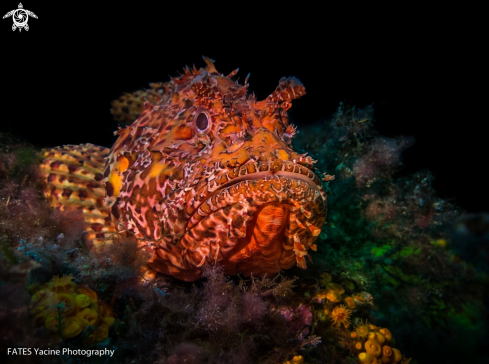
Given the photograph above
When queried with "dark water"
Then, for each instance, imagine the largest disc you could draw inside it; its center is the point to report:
(420, 68)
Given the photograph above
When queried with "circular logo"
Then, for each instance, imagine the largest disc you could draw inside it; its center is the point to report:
(20, 17)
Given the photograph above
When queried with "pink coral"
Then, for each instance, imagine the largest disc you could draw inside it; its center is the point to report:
(297, 318)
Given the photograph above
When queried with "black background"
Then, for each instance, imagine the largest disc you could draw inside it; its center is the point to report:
(421, 66)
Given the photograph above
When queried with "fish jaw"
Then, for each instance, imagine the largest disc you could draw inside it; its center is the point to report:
(257, 225)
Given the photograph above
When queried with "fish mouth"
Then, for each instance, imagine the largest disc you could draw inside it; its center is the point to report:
(259, 172)
(258, 223)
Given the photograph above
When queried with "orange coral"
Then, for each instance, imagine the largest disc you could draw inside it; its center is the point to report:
(376, 348)
(341, 316)
(359, 297)
(335, 287)
(350, 303)
(321, 293)
(298, 359)
(386, 353)
(333, 296)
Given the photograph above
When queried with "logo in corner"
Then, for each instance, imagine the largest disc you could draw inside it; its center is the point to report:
(20, 17)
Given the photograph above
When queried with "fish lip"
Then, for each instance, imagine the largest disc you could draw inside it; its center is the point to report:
(303, 174)
(260, 176)
(265, 174)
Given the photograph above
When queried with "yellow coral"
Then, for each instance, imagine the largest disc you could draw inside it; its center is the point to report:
(362, 329)
(73, 327)
(44, 298)
(380, 338)
(41, 294)
(62, 284)
(386, 333)
(89, 316)
(51, 321)
(69, 301)
(373, 347)
(335, 287)
(81, 309)
(341, 316)
(298, 359)
(82, 300)
(365, 358)
(397, 355)
(89, 293)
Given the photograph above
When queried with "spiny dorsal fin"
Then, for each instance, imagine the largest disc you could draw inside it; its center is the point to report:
(210, 65)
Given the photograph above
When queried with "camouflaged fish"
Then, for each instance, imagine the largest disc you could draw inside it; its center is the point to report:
(205, 175)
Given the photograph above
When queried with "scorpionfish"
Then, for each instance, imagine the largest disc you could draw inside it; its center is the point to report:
(204, 175)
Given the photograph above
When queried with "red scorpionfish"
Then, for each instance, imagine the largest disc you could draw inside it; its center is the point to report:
(205, 175)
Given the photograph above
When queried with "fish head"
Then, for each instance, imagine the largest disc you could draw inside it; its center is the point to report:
(207, 175)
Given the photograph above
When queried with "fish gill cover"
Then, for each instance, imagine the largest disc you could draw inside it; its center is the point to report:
(397, 272)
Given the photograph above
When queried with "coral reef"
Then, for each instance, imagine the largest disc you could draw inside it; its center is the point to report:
(67, 310)
(391, 235)
(392, 255)
(374, 345)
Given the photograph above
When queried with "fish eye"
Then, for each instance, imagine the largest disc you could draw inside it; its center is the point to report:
(202, 122)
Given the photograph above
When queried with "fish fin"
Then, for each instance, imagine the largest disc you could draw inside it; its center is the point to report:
(288, 89)
(210, 65)
(129, 106)
(72, 180)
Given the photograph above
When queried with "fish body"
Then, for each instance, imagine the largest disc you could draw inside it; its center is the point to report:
(205, 175)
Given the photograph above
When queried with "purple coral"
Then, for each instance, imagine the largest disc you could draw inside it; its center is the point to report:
(296, 318)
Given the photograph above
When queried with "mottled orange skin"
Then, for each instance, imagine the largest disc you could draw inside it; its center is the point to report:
(235, 194)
